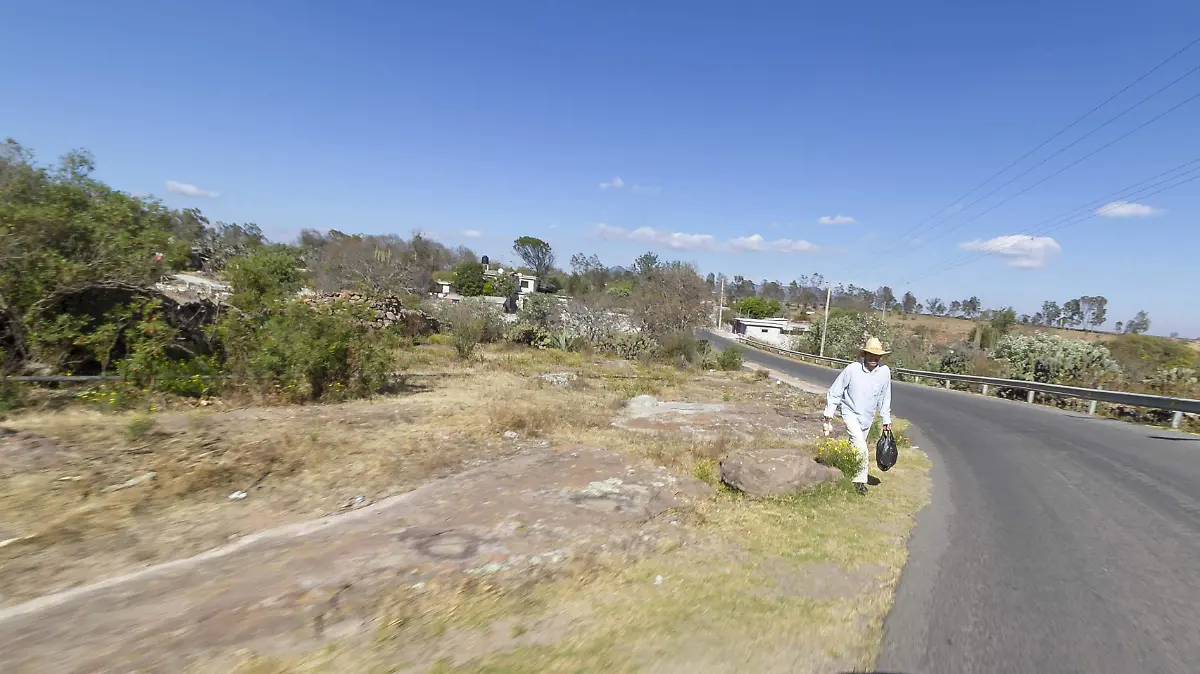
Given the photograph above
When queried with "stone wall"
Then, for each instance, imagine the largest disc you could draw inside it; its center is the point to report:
(389, 312)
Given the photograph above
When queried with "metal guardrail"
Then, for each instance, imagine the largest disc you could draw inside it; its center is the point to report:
(1176, 405)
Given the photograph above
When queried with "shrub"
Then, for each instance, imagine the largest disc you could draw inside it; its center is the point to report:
(762, 375)
(307, 353)
(1056, 360)
(839, 453)
(467, 333)
(469, 280)
(139, 428)
(1173, 381)
(683, 349)
(12, 396)
(730, 359)
(846, 334)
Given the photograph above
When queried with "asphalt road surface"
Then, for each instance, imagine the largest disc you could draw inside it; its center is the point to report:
(1054, 542)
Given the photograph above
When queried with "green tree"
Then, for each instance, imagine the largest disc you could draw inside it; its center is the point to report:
(936, 306)
(469, 279)
(64, 238)
(884, 298)
(772, 290)
(267, 275)
(646, 263)
(757, 307)
(1002, 321)
(1095, 310)
(1072, 315)
(909, 304)
(1139, 324)
(535, 253)
(972, 307)
(1051, 312)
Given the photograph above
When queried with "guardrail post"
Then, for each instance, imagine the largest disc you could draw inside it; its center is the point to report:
(985, 389)
(1091, 407)
(1176, 419)
(947, 383)
(1029, 398)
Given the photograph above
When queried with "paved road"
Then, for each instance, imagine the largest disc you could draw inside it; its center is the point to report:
(1055, 542)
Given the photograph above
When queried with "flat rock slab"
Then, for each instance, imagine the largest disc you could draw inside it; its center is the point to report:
(646, 413)
(774, 472)
(22, 452)
(297, 586)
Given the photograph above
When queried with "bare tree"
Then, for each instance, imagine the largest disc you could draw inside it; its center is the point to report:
(672, 299)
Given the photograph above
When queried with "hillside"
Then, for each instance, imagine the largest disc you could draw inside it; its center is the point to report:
(947, 329)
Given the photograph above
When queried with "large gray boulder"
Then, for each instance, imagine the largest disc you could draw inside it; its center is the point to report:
(774, 472)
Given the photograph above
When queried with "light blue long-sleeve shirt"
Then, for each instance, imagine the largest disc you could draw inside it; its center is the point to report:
(860, 393)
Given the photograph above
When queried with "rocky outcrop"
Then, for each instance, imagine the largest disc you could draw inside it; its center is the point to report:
(535, 514)
(774, 472)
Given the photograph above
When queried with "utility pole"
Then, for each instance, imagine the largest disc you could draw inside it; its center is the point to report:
(720, 304)
(825, 327)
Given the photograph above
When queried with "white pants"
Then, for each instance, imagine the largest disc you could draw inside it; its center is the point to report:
(858, 438)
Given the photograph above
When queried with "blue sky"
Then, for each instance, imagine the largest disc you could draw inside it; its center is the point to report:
(733, 128)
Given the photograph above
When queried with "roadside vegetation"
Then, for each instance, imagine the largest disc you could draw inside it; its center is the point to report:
(996, 346)
(280, 402)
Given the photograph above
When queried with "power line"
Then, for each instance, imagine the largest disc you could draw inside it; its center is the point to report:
(1055, 228)
(942, 211)
(1123, 193)
(1112, 201)
(1065, 168)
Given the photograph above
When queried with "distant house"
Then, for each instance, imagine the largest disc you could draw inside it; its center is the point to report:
(524, 284)
(777, 331)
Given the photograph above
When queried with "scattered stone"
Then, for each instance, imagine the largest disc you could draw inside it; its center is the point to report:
(238, 495)
(658, 580)
(774, 472)
(558, 379)
(131, 482)
(510, 435)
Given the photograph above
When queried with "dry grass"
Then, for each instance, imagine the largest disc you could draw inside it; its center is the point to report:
(946, 329)
(294, 462)
(735, 599)
(800, 584)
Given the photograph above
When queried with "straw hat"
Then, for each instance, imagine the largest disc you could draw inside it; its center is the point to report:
(874, 347)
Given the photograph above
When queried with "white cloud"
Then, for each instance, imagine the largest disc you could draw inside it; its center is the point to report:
(1024, 252)
(752, 242)
(836, 220)
(1126, 209)
(706, 242)
(190, 190)
(617, 183)
(472, 233)
(793, 246)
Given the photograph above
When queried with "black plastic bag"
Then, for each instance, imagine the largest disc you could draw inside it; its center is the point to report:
(885, 451)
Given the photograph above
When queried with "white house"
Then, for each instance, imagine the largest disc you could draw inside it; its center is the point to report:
(526, 283)
(777, 331)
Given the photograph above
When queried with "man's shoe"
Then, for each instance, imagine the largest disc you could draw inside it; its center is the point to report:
(860, 488)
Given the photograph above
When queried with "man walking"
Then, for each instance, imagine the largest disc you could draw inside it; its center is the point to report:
(862, 388)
